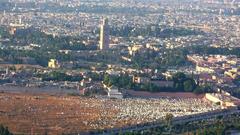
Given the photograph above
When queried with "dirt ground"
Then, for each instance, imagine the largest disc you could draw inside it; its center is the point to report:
(45, 114)
(38, 113)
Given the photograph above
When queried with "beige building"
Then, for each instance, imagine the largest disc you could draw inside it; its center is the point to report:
(135, 48)
(53, 63)
(204, 69)
(233, 73)
(224, 100)
(139, 80)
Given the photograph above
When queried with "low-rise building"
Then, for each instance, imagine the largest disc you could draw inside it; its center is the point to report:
(205, 69)
(233, 73)
(224, 100)
(53, 63)
(114, 93)
(139, 80)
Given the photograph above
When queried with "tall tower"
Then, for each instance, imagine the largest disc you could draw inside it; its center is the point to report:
(104, 35)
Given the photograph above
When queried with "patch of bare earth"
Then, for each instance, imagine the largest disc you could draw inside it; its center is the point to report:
(29, 114)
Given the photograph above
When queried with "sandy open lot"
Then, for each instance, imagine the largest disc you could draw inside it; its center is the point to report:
(27, 114)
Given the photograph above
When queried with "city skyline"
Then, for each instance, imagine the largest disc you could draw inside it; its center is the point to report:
(120, 67)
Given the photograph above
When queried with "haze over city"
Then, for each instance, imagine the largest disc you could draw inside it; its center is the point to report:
(138, 67)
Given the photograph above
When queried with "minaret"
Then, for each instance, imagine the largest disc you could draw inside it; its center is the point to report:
(104, 35)
(20, 20)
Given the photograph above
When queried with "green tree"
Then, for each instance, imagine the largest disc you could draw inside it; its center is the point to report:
(4, 130)
(179, 77)
(198, 90)
(106, 80)
(189, 85)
